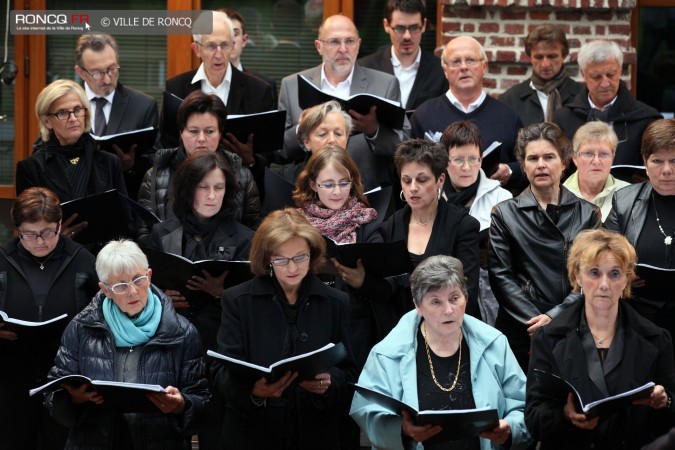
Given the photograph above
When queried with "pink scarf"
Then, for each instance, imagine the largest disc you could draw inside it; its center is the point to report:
(339, 224)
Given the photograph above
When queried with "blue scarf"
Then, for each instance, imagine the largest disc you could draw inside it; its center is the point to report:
(128, 331)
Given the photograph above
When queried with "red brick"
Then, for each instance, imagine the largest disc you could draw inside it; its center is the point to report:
(489, 83)
(469, 27)
(449, 27)
(506, 56)
(507, 83)
(471, 13)
(599, 15)
(517, 70)
(512, 28)
(495, 69)
(568, 16)
(623, 30)
(499, 41)
(583, 30)
(488, 27)
(511, 14)
(600, 30)
(539, 15)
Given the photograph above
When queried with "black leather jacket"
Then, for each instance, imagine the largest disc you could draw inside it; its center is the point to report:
(629, 210)
(528, 252)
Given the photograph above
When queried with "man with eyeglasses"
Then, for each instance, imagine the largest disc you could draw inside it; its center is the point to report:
(373, 145)
(419, 72)
(242, 93)
(465, 63)
(115, 108)
(550, 87)
(605, 97)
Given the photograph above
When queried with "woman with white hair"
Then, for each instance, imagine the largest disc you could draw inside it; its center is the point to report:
(131, 333)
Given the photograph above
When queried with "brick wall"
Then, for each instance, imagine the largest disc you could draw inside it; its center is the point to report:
(501, 26)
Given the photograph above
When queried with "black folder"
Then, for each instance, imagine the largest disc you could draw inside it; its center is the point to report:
(278, 192)
(389, 112)
(144, 138)
(26, 329)
(456, 423)
(383, 259)
(491, 158)
(170, 271)
(267, 128)
(658, 282)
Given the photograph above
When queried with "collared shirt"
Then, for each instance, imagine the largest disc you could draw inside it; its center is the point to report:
(106, 108)
(472, 106)
(607, 106)
(222, 90)
(543, 97)
(604, 199)
(343, 88)
(406, 75)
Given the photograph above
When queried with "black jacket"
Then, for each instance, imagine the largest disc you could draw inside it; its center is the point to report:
(26, 361)
(155, 192)
(454, 233)
(172, 357)
(41, 169)
(630, 119)
(253, 328)
(558, 348)
(525, 101)
(527, 256)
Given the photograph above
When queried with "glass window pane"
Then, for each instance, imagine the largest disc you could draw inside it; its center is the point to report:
(7, 73)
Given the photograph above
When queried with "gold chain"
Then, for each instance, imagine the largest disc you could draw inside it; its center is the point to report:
(431, 366)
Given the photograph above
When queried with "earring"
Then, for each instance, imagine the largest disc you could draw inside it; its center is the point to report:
(271, 271)
(439, 194)
(581, 289)
(402, 197)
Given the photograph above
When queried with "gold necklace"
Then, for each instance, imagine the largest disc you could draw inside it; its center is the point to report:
(601, 340)
(42, 263)
(421, 222)
(431, 365)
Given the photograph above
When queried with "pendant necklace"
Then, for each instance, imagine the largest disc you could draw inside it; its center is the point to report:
(601, 340)
(667, 239)
(42, 263)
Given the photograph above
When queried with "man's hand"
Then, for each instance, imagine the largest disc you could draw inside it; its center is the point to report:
(245, 151)
(367, 123)
(128, 158)
(503, 174)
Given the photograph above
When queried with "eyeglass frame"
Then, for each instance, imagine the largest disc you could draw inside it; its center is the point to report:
(349, 42)
(477, 161)
(99, 74)
(342, 185)
(401, 29)
(74, 112)
(26, 236)
(213, 47)
(297, 259)
(470, 62)
(588, 155)
(143, 279)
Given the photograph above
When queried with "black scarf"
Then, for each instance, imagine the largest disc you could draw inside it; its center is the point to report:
(194, 249)
(462, 198)
(550, 88)
(74, 161)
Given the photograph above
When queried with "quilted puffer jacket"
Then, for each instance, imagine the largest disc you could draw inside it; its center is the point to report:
(172, 357)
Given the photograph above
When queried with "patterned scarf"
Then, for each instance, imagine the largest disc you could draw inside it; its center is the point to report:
(550, 88)
(339, 224)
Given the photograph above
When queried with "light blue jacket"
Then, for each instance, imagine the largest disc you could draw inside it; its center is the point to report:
(497, 381)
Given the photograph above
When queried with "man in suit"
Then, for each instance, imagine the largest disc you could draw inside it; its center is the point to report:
(373, 147)
(549, 88)
(465, 63)
(241, 38)
(115, 108)
(242, 93)
(419, 72)
(605, 97)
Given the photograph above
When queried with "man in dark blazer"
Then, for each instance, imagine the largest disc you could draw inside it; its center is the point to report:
(242, 93)
(115, 108)
(373, 147)
(549, 88)
(419, 72)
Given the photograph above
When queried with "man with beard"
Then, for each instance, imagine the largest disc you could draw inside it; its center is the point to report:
(549, 88)
(419, 72)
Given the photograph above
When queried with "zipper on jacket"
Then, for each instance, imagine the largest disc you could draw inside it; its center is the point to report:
(564, 268)
(39, 313)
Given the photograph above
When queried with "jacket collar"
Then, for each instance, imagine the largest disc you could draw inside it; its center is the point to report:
(263, 287)
(526, 199)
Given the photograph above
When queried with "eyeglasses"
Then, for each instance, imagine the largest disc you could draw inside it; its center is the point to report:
(588, 156)
(330, 185)
(64, 114)
(32, 236)
(459, 162)
(337, 43)
(212, 47)
(123, 288)
(98, 75)
(297, 259)
(470, 62)
(413, 29)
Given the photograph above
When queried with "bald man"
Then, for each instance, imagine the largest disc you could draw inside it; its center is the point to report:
(465, 63)
(373, 144)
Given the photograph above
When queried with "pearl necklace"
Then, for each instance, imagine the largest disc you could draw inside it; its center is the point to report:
(667, 239)
(431, 365)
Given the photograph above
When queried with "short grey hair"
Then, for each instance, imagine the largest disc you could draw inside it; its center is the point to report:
(444, 59)
(119, 257)
(315, 115)
(599, 51)
(595, 131)
(437, 272)
(217, 15)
